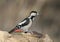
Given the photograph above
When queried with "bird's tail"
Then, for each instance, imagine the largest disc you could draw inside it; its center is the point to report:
(12, 30)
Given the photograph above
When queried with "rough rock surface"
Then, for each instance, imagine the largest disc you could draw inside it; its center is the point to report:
(23, 37)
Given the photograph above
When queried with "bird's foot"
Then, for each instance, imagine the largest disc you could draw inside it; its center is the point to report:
(28, 32)
(25, 32)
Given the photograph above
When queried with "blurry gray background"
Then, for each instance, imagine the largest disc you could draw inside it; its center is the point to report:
(14, 11)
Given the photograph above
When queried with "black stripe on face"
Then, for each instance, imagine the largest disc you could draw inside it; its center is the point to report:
(33, 12)
(32, 17)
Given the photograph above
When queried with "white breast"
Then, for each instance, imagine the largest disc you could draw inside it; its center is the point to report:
(25, 28)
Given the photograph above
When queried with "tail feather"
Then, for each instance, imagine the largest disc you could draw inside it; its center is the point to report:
(13, 30)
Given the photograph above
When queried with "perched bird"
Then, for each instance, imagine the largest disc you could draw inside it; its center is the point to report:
(26, 23)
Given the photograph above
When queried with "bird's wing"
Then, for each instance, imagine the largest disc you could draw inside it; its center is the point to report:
(24, 22)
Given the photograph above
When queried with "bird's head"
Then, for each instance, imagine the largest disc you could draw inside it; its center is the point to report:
(33, 14)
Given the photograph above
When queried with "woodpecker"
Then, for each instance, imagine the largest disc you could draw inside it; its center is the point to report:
(26, 23)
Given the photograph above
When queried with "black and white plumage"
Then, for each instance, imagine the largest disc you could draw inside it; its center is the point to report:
(26, 23)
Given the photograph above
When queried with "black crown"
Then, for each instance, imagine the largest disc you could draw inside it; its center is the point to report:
(33, 12)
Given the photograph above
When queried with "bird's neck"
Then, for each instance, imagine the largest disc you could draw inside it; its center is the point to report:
(32, 17)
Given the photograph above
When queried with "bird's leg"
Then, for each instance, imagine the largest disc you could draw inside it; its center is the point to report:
(28, 32)
(25, 30)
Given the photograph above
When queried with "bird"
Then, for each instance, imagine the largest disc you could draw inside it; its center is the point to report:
(26, 23)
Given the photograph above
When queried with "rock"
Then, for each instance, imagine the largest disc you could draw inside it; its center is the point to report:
(23, 37)
(6, 37)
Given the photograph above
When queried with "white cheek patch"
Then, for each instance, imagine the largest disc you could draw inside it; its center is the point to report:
(33, 14)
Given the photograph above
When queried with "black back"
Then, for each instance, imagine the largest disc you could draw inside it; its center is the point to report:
(26, 23)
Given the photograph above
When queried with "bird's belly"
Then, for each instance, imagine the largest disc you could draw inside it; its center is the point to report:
(25, 28)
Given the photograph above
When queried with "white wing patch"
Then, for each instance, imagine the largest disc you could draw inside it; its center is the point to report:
(22, 22)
